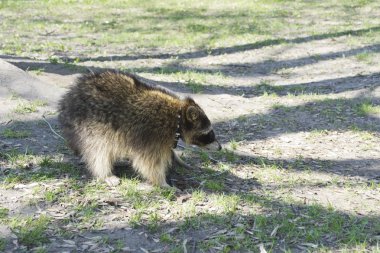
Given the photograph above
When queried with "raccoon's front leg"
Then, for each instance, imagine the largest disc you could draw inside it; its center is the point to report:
(153, 169)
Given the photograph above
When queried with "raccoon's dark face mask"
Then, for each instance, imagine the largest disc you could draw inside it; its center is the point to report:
(198, 130)
(207, 140)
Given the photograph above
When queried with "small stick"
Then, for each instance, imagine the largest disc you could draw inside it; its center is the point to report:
(44, 119)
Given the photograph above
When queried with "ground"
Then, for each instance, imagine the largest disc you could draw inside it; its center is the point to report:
(293, 91)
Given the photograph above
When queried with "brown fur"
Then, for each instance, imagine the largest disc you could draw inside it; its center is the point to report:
(109, 116)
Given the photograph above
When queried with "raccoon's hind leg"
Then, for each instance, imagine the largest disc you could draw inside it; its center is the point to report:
(99, 156)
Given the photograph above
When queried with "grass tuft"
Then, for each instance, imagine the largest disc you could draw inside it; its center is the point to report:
(10, 133)
(368, 108)
(29, 107)
(31, 231)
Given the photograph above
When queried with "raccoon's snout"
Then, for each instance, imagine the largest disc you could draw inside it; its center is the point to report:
(208, 141)
(214, 146)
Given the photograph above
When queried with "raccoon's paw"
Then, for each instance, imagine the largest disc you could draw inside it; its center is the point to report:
(112, 181)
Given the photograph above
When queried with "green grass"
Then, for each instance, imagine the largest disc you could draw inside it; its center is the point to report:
(226, 155)
(366, 135)
(194, 86)
(50, 168)
(368, 108)
(3, 243)
(234, 144)
(37, 71)
(25, 107)
(228, 203)
(170, 24)
(46, 161)
(316, 133)
(153, 222)
(166, 238)
(3, 212)
(136, 219)
(87, 211)
(192, 22)
(16, 158)
(337, 113)
(366, 57)
(268, 89)
(50, 196)
(10, 133)
(31, 231)
(308, 228)
(214, 185)
(40, 250)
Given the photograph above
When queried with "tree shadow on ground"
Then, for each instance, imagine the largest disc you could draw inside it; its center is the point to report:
(262, 68)
(59, 67)
(327, 86)
(238, 48)
(328, 114)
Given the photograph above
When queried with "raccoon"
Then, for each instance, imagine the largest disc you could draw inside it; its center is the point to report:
(109, 116)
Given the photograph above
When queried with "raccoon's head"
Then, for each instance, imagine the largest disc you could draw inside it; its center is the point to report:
(197, 128)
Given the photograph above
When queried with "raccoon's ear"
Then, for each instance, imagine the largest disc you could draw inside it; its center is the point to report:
(189, 101)
(192, 113)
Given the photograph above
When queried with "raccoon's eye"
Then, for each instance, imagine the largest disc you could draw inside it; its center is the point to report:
(207, 138)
